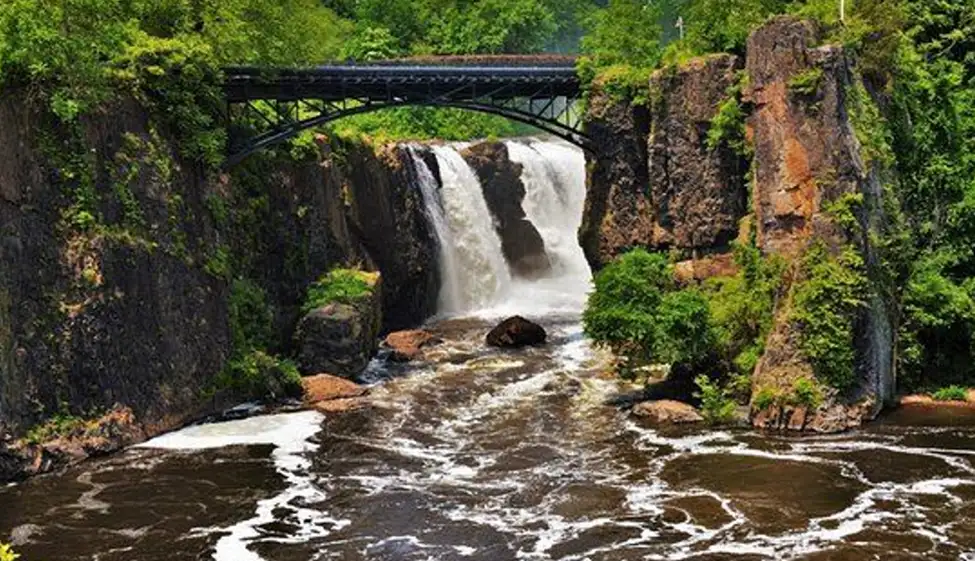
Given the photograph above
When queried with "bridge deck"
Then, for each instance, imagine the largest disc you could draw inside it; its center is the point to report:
(376, 82)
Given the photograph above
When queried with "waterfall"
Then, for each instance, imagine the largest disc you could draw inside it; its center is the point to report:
(554, 175)
(472, 245)
(475, 278)
(449, 297)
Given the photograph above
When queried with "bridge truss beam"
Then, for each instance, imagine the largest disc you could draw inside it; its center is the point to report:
(264, 111)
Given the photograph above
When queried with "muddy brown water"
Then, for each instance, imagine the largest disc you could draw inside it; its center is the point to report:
(492, 456)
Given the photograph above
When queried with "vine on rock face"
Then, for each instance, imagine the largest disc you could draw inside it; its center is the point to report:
(827, 301)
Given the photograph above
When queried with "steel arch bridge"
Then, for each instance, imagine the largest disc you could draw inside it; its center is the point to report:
(286, 101)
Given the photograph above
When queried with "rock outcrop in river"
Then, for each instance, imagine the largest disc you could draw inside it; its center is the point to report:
(665, 182)
(523, 246)
(809, 170)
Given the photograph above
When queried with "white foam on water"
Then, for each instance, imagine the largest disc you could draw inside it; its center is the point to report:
(290, 433)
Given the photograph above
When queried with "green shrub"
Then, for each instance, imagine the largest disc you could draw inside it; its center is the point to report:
(345, 286)
(7, 553)
(742, 306)
(951, 393)
(251, 319)
(637, 311)
(806, 82)
(258, 375)
(728, 126)
(807, 393)
(717, 404)
(765, 398)
(58, 426)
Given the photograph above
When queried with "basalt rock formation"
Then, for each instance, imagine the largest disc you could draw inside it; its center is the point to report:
(808, 159)
(698, 191)
(661, 183)
(658, 183)
(619, 211)
(521, 243)
(340, 338)
(117, 257)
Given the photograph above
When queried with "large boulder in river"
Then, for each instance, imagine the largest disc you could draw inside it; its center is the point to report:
(667, 412)
(341, 337)
(521, 243)
(516, 332)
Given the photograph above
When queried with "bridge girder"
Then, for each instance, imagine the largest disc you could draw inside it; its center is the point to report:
(288, 102)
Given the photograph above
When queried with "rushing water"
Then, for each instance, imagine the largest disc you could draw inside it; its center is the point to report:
(492, 455)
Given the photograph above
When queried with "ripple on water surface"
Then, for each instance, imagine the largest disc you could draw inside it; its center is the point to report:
(510, 456)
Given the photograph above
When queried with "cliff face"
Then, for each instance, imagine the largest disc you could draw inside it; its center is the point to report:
(387, 215)
(99, 316)
(807, 163)
(618, 211)
(698, 192)
(659, 184)
(812, 188)
(116, 259)
(522, 244)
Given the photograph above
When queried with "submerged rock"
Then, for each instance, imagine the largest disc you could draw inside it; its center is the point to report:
(516, 331)
(408, 345)
(667, 412)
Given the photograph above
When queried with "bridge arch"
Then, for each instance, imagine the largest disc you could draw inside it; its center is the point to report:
(543, 97)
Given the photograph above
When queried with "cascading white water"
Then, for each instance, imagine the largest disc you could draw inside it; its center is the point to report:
(473, 249)
(449, 298)
(554, 176)
(475, 277)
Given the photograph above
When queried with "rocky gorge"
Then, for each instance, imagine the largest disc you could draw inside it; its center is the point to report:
(131, 278)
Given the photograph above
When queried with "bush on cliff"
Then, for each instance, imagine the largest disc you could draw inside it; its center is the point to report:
(637, 310)
(253, 372)
(826, 303)
(742, 306)
(344, 286)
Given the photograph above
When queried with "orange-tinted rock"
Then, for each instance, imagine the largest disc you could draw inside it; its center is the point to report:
(717, 265)
(807, 156)
(115, 430)
(340, 405)
(667, 412)
(408, 345)
(325, 387)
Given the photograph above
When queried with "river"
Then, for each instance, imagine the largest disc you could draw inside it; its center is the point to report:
(483, 454)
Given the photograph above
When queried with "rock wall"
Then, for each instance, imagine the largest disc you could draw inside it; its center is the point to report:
(698, 193)
(117, 259)
(522, 244)
(618, 213)
(387, 215)
(98, 316)
(807, 159)
(657, 183)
